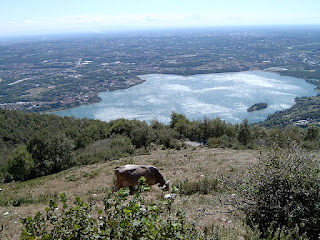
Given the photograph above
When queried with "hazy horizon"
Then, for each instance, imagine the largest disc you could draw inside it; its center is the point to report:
(37, 17)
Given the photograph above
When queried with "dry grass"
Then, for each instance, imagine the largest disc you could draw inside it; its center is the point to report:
(91, 181)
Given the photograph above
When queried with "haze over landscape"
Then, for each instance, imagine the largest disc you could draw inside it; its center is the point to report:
(46, 17)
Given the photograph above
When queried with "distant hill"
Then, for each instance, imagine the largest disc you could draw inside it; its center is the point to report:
(306, 111)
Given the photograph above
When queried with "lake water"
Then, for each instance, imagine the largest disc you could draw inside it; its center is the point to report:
(225, 95)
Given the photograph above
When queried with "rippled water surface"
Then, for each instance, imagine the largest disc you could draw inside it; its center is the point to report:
(225, 95)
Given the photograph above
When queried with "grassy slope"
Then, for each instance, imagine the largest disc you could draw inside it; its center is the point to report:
(91, 181)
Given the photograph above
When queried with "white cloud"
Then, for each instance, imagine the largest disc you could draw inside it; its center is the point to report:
(28, 21)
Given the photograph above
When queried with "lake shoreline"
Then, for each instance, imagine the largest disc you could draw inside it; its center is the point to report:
(96, 99)
(113, 108)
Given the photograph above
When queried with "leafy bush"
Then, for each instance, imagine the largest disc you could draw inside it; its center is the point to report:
(284, 192)
(122, 217)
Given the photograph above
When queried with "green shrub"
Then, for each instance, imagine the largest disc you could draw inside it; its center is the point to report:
(122, 217)
(284, 194)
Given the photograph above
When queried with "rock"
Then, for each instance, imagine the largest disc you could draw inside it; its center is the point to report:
(170, 195)
(16, 203)
(6, 213)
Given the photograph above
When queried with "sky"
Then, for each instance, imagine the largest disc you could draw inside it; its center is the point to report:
(21, 17)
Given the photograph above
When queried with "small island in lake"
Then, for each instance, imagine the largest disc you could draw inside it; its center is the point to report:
(257, 106)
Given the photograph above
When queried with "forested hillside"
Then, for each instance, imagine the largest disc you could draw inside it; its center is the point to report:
(48, 138)
(306, 109)
(34, 145)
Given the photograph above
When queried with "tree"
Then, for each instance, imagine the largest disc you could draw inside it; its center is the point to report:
(195, 130)
(175, 118)
(182, 127)
(244, 133)
(38, 147)
(121, 126)
(61, 153)
(20, 163)
(217, 127)
(312, 133)
(142, 136)
(51, 152)
(167, 137)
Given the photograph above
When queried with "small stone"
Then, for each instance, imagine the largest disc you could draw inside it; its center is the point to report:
(143, 208)
(170, 195)
(6, 213)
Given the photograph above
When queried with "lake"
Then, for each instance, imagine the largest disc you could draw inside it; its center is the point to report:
(224, 95)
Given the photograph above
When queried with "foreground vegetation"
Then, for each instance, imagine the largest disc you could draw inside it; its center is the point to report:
(233, 200)
(120, 218)
(283, 195)
(231, 192)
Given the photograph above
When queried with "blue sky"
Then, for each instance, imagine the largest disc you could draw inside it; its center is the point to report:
(18, 17)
